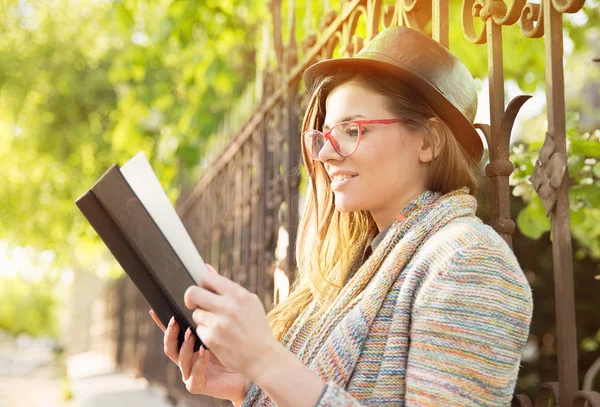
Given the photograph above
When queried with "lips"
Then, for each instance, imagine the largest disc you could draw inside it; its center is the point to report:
(340, 180)
(342, 177)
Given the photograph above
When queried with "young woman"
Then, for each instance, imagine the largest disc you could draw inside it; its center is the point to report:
(403, 296)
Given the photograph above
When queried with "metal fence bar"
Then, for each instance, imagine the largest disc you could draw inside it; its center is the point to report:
(561, 224)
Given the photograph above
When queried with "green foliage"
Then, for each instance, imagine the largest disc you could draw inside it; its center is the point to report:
(27, 307)
(584, 191)
(55, 107)
(91, 85)
(84, 87)
(591, 344)
(30, 291)
(532, 220)
(185, 65)
(582, 83)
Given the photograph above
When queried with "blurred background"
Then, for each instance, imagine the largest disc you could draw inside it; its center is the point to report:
(85, 84)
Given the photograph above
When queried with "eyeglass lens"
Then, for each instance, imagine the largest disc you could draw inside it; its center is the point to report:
(345, 136)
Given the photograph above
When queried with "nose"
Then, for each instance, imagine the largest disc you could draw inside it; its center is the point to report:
(328, 153)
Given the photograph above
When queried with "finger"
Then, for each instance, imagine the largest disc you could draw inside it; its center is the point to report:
(195, 357)
(185, 354)
(201, 317)
(198, 297)
(170, 340)
(204, 335)
(218, 284)
(198, 373)
(156, 320)
(211, 268)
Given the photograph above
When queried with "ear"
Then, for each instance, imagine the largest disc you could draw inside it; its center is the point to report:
(431, 142)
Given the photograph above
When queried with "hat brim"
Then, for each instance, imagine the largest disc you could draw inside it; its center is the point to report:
(462, 128)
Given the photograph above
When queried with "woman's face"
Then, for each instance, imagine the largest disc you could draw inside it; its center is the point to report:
(387, 171)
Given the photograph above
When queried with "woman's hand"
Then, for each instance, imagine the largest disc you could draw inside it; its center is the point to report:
(201, 371)
(232, 323)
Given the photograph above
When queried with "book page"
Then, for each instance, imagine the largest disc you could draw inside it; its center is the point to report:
(143, 181)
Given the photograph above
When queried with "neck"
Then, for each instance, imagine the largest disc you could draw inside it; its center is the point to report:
(384, 217)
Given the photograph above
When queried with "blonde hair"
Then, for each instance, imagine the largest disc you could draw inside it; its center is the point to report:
(330, 243)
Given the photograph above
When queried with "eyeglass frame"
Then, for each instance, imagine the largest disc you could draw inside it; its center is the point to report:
(328, 137)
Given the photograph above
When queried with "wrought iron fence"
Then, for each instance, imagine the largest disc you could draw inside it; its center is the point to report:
(248, 197)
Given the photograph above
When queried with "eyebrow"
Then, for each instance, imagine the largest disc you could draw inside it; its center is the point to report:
(345, 119)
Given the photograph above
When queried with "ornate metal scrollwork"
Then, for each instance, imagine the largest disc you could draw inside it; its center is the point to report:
(547, 394)
(497, 10)
(327, 19)
(585, 399)
(549, 173)
(389, 15)
(470, 9)
(508, 121)
(521, 400)
(510, 115)
(567, 6)
(309, 41)
(499, 165)
(530, 15)
(532, 20)
(415, 13)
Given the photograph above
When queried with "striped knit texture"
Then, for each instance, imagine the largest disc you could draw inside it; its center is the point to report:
(437, 316)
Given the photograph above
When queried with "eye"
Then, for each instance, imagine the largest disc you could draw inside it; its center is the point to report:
(351, 129)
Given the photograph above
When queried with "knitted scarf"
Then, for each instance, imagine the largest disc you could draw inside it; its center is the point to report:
(365, 292)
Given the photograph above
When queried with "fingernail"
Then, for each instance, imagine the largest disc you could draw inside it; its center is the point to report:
(188, 334)
(172, 322)
(201, 351)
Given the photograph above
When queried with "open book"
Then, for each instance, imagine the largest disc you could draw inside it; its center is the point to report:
(132, 214)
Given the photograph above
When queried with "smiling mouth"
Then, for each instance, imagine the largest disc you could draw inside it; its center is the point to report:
(338, 180)
(342, 177)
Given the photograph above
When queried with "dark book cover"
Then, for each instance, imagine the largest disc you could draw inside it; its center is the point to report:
(137, 243)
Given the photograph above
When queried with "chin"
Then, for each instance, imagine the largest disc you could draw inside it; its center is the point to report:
(346, 204)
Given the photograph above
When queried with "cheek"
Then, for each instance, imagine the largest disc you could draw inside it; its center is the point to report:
(386, 168)
(389, 163)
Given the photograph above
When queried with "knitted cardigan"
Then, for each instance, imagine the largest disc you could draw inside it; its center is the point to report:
(437, 316)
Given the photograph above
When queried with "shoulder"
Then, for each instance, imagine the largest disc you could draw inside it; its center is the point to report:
(464, 232)
(468, 255)
(466, 235)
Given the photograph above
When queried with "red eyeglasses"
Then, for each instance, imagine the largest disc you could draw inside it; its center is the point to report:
(344, 137)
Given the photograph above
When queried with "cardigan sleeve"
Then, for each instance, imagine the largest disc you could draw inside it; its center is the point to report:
(469, 324)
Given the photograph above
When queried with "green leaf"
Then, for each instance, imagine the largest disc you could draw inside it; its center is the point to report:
(532, 220)
(586, 148)
(577, 218)
(575, 164)
(589, 195)
(589, 345)
(188, 153)
(125, 19)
